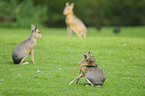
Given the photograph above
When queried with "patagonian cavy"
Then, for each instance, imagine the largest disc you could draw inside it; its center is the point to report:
(26, 47)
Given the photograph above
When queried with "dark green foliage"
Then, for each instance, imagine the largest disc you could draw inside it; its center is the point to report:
(91, 12)
(24, 12)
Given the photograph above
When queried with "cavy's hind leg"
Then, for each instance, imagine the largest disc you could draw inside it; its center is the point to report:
(81, 75)
(90, 83)
(78, 79)
(23, 60)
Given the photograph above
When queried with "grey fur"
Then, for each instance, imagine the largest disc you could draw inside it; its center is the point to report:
(95, 75)
(26, 47)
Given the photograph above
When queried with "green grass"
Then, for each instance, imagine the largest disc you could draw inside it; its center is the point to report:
(57, 58)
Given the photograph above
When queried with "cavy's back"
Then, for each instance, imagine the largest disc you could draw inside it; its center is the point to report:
(95, 75)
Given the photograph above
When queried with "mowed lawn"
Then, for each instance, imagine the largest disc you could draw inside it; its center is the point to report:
(122, 56)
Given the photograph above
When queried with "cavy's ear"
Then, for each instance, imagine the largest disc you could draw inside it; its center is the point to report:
(72, 5)
(32, 28)
(35, 27)
(85, 56)
(67, 4)
(89, 52)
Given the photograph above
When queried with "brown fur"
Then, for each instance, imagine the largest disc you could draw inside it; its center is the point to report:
(88, 60)
(74, 23)
(26, 47)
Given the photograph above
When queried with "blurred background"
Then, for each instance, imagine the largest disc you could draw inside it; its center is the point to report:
(49, 13)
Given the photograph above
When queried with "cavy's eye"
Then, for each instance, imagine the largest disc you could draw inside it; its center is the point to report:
(91, 61)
